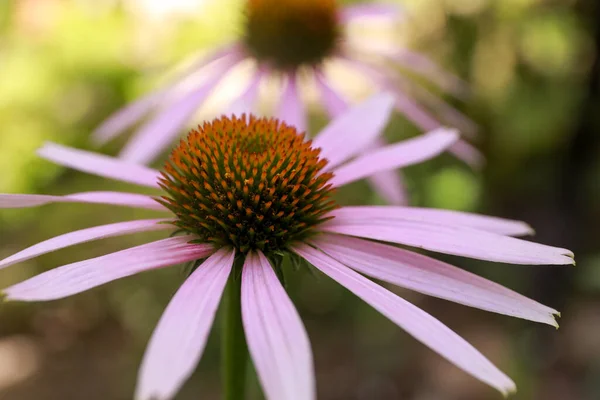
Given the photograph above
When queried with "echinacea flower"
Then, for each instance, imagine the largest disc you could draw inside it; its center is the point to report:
(290, 39)
(244, 192)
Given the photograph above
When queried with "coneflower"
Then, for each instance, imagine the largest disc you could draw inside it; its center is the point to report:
(244, 193)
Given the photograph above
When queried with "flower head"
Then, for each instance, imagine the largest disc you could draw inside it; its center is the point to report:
(288, 36)
(253, 184)
(286, 39)
(343, 243)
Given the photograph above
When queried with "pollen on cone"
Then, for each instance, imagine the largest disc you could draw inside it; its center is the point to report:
(246, 182)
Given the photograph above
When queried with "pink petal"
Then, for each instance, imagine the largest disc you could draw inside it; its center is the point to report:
(390, 80)
(458, 240)
(133, 112)
(246, 103)
(347, 135)
(291, 109)
(467, 153)
(277, 340)
(158, 133)
(366, 11)
(434, 216)
(179, 339)
(113, 198)
(432, 277)
(425, 67)
(80, 276)
(388, 184)
(399, 155)
(332, 100)
(416, 322)
(98, 164)
(404, 104)
(444, 111)
(126, 117)
(85, 235)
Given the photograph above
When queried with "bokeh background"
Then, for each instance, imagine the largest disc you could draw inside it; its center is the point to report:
(533, 69)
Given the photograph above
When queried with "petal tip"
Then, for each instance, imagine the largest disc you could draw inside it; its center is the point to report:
(509, 390)
(385, 99)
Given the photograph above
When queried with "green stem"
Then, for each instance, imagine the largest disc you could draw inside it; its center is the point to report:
(234, 352)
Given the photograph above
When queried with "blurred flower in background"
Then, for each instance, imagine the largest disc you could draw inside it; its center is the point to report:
(299, 41)
(255, 190)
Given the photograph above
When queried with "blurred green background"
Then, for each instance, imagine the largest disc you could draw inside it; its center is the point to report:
(65, 65)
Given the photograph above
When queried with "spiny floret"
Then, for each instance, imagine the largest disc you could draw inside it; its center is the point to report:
(248, 183)
(291, 33)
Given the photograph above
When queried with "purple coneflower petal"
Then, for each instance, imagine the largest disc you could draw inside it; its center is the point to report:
(365, 11)
(80, 276)
(422, 65)
(126, 117)
(158, 133)
(98, 164)
(497, 225)
(415, 321)
(86, 235)
(366, 121)
(132, 113)
(404, 104)
(110, 198)
(180, 336)
(458, 240)
(276, 337)
(394, 156)
(468, 154)
(291, 108)
(388, 184)
(246, 103)
(445, 112)
(334, 102)
(432, 277)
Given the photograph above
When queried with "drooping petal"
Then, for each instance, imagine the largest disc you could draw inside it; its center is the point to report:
(133, 112)
(158, 133)
(457, 240)
(112, 198)
(404, 104)
(80, 276)
(432, 277)
(422, 65)
(180, 336)
(355, 129)
(497, 225)
(334, 102)
(128, 116)
(277, 340)
(246, 103)
(415, 321)
(394, 156)
(98, 164)
(388, 184)
(291, 108)
(366, 11)
(86, 235)
(468, 154)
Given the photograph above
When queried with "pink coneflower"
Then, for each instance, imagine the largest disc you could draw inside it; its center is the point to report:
(245, 192)
(289, 39)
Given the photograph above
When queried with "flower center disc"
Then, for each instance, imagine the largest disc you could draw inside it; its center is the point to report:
(248, 183)
(291, 33)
